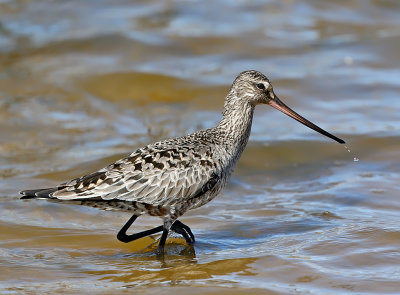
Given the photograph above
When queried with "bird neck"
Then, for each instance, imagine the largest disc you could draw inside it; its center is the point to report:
(236, 122)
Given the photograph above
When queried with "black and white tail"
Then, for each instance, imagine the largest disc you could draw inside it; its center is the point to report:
(42, 193)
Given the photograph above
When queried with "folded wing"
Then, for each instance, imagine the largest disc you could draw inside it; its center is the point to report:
(152, 176)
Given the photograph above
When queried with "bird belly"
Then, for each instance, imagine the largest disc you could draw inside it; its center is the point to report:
(136, 208)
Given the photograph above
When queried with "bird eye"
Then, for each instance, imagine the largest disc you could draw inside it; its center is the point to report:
(260, 86)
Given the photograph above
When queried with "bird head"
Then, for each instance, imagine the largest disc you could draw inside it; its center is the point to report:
(254, 88)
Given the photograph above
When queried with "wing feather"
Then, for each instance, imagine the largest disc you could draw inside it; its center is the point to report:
(155, 175)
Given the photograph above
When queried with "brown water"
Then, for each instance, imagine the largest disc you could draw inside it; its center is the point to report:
(83, 83)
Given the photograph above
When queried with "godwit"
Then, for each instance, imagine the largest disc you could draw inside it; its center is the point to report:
(170, 177)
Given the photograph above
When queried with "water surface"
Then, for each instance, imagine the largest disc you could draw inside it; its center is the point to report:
(83, 84)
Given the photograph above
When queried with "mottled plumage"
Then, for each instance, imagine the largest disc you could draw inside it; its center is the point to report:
(170, 177)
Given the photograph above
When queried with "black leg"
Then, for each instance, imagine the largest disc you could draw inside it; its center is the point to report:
(183, 230)
(177, 227)
(160, 249)
(123, 237)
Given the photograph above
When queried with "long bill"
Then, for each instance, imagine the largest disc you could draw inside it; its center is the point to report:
(279, 105)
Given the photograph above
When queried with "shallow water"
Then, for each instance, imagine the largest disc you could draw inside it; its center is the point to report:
(83, 84)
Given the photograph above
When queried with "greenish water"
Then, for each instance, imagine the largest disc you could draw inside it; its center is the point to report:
(85, 83)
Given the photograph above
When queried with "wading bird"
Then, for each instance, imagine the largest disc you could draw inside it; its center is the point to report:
(170, 177)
